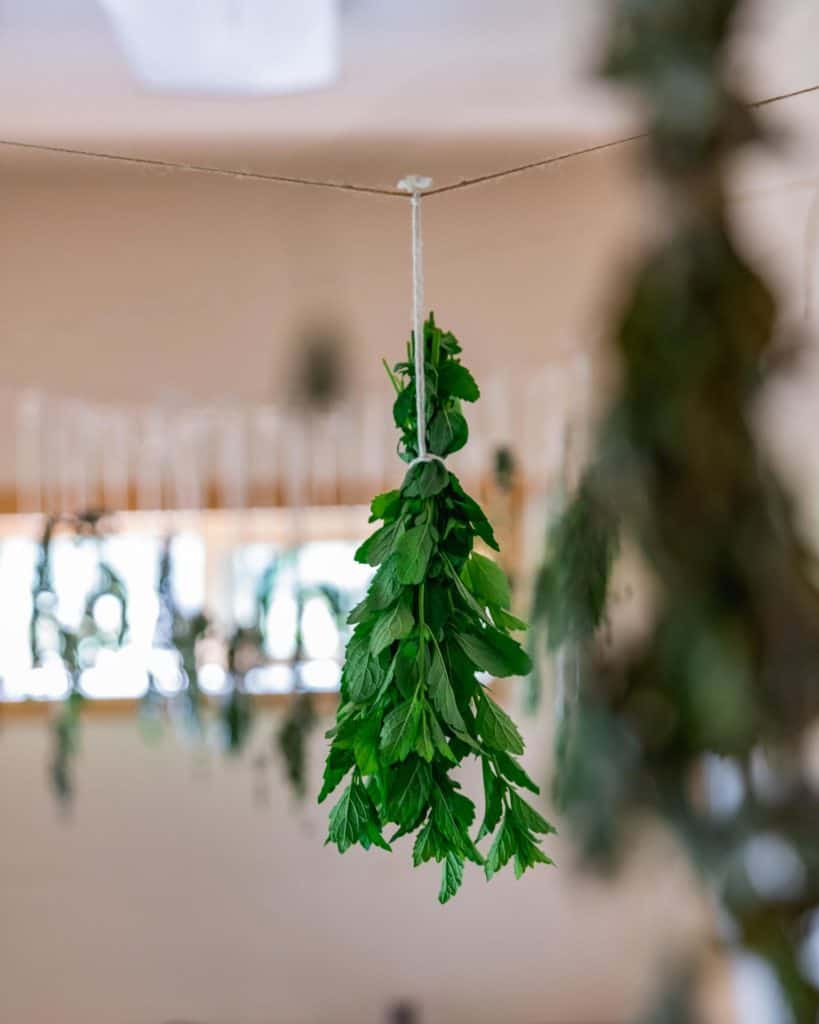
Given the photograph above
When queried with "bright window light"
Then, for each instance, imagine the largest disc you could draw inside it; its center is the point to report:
(229, 46)
(310, 590)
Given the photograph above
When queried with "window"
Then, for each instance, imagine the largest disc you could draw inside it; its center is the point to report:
(108, 612)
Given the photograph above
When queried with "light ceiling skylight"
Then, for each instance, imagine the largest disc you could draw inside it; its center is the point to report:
(251, 47)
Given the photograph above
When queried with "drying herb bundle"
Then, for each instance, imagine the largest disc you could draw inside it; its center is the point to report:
(178, 631)
(75, 647)
(436, 613)
(292, 738)
(571, 587)
(236, 713)
(726, 677)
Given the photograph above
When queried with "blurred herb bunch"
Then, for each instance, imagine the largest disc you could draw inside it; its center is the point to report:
(726, 681)
(229, 717)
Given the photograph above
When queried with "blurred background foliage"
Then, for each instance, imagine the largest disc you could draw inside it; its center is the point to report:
(225, 720)
(705, 721)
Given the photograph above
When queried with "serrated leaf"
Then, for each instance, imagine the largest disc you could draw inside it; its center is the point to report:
(412, 553)
(501, 851)
(385, 506)
(338, 763)
(385, 589)
(360, 675)
(386, 585)
(527, 817)
(378, 547)
(372, 833)
(365, 746)
(504, 620)
(527, 853)
(495, 652)
(465, 593)
(449, 343)
(400, 730)
(454, 379)
(452, 814)
(349, 817)
(364, 686)
(442, 694)
(448, 432)
(393, 624)
(439, 740)
(424, 744)
(493, 792)
(496, 727)
(403, 408)
(487, 581)
(452, 875)
(475, 514)
(512, 771)
(406, 667)
(408, 791)
(425, 480)
(429, 845)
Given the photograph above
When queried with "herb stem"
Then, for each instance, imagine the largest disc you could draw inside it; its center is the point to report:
(422, 629)
(392, 377)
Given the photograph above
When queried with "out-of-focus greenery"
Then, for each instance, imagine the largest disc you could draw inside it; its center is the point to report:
(725, 683)
(76, 648)
(230, 717)
(292, 734)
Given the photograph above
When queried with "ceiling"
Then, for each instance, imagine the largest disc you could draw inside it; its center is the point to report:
(456, 88)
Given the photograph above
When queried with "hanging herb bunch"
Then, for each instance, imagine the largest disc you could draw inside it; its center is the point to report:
(726, 677)
(75, 647)
(571, 588)
(436, 613)
(179, 631)
(293, 733)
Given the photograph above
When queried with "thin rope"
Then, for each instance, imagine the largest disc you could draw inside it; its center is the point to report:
(756, 104)
(172, 165)
(415, 184)
(535, 165)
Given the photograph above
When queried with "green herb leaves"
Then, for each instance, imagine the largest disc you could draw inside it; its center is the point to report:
(437, 612)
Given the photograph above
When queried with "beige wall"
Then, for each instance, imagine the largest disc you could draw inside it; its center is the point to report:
(172, 893)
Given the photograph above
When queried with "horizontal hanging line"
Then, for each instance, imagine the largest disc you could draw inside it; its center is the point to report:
(172, 165)
(756, 104)
(587, 150)
(533, 166)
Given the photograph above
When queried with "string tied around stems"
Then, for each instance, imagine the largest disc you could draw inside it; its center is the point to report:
(415, 184)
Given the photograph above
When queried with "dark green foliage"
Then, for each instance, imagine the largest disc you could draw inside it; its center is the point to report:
(181, 632)
(436, 612)
(672, 50)
(175, 631)
(48, 635)
(292, 735)
(728, 673)
(291, 739)
(66, 732)
(571, 588)
(244, 652)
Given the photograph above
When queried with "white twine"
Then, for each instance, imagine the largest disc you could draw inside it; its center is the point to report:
(415, 185)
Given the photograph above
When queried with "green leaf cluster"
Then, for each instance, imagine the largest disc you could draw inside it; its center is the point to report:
(572, 585)
(436, 613)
